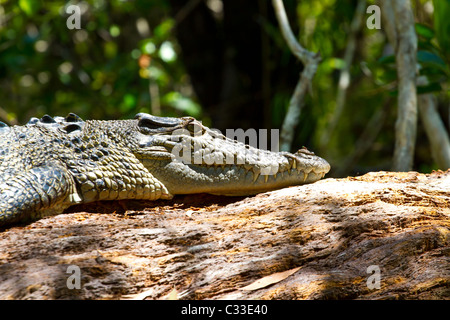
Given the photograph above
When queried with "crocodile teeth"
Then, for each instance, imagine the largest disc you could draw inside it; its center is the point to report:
(75, 198)
(255, 176)
(266, 178)
(248, 166)
(294, 165)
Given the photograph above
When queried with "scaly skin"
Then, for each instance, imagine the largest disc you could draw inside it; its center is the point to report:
(50, 164)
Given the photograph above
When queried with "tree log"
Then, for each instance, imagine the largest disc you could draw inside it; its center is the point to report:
(378, 236)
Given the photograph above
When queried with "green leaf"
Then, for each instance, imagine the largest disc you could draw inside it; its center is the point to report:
(163, 30)
(430, 58)
(147, 46)
(110, 49)
(387, 59)
(167, 52)
(386, 76)
(179, 102)
(30, 7)
(424, 31)
(432, 87)
(442, 25)
(431, 62)
(423, 56)
(114, 30)
(128, 103)
(333, 63)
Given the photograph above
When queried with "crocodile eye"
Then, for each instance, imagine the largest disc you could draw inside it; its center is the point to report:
(149, 124)
(195, 127)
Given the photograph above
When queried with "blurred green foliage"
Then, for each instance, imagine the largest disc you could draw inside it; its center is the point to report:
(126, 59)
(442, 26)
(97, 71)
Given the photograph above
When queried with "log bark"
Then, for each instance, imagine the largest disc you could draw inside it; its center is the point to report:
(326, 240)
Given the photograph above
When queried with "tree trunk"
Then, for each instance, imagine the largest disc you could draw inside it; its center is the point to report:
(223, 58)
(406, 56)
(378, 236)
(436, 131)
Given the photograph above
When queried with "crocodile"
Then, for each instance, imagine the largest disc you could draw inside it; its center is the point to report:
(52, 163)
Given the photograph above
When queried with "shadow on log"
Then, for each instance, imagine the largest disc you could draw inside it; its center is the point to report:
(379, 236)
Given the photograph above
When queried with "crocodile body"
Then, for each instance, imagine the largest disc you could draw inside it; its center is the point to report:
(50, 164)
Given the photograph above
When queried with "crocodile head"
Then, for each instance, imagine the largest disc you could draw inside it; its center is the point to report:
(188, 157)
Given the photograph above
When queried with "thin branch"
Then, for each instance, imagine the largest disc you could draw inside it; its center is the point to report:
(186, 10)
(344, 78)
(155, 103)
(434, 128)
(388, 18)
(310, 61)
(301, 53)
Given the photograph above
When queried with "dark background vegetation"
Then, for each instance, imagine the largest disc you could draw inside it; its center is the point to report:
(224, 62)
